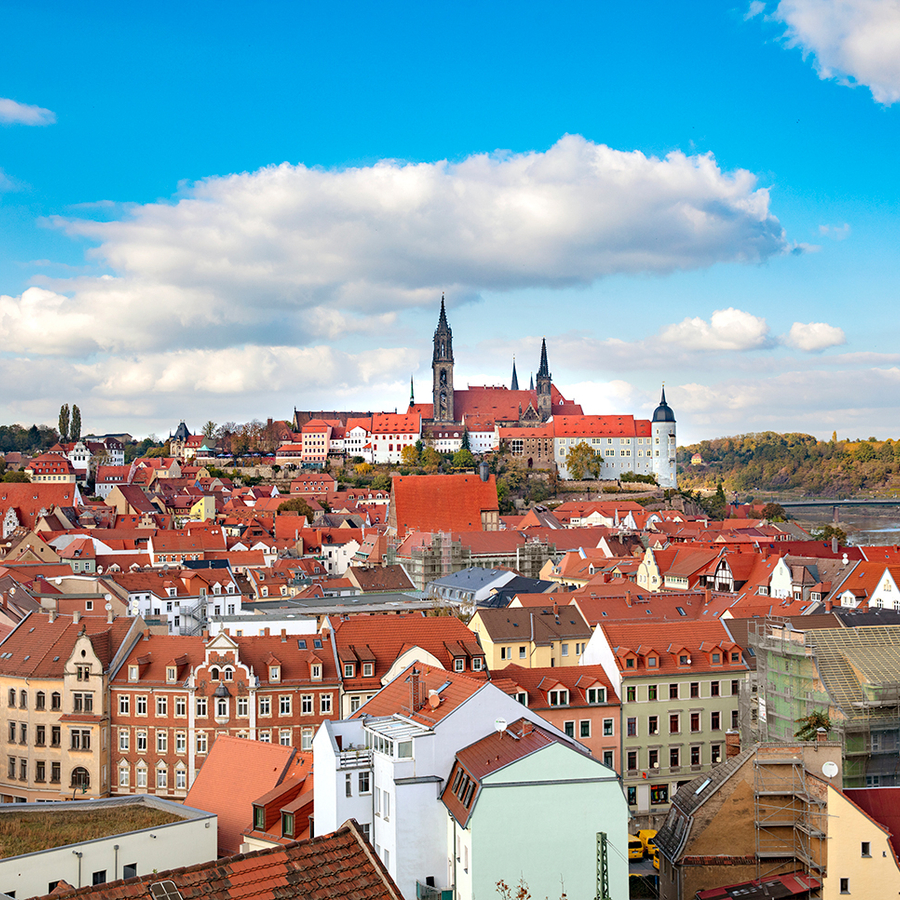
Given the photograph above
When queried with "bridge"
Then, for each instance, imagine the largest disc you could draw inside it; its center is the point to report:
(799, 504)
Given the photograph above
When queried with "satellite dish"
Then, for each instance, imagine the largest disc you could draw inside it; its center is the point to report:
(830, 769)
(500, 725)
(434, 700)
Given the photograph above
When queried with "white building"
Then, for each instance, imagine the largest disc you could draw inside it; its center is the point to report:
(187, 840)
(387, 767)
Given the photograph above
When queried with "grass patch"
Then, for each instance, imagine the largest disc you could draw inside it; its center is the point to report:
(33, 831)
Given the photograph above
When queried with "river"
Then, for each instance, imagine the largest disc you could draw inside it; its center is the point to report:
(864, 524)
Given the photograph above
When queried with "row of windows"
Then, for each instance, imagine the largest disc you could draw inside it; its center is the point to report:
(141, 741)
(677, 758)
(715, 659)
(18, 769)
(635, 693)
(40, 699)
(161, 772)
(508, 652)
(18, 733)
(242, 705)
(675, 722)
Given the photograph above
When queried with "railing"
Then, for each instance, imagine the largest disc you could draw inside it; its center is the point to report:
(354, 759)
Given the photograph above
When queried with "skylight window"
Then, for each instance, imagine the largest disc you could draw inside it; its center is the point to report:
(165, 890)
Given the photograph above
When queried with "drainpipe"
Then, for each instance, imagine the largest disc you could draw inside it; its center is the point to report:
(78, 854)
(116, 862)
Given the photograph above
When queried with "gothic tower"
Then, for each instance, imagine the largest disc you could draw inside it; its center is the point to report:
(542, 382)
(442, 369)
(514, 384)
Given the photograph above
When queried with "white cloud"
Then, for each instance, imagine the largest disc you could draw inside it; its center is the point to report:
(814, 337)
(727, 329)
(756, 7)
(234, 259)
(835, 232)
(853, 41)
(13, 113)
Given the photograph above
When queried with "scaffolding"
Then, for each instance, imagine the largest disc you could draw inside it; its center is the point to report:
(848, 673)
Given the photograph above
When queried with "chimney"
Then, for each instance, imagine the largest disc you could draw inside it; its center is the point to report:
(283, 635)
(109, 613)
(834, 545)
(265, 632)
(76, 617)
(732, 744)
(628, 598)
(527, 728)
(52, 612)
(414, 690)
(821, 735)
(829, 604)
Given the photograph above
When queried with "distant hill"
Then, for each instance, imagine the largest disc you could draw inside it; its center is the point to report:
(791, 462)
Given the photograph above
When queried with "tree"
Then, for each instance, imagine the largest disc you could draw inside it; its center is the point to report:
(76, 424)
(581, 460)
(431, 459)
(409, 456)
(829, 532)
(64, 423)
(297, 505)
(463, 459)
(362, 468)
(209, 429)
(16, 477)
(381, 482)
(810, 724)
(465, 441)
(774, 512)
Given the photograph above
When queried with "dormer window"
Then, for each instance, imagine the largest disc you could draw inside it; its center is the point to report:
(349, 670)
(171, 591)
(596, 695)
(459, 664)
(717, 659)
(368, 670)
(477, 663)
(274, 673)
(316, 672)
(132, 673)
(217, 589)
(683, 660)
(171, 673)
(652, 662)
(629, 662)
(559, 698)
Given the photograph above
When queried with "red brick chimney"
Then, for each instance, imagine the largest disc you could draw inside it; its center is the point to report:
(732, 744)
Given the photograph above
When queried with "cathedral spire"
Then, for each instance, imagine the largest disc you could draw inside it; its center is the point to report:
(531, 385)
(544, 370)
(514, 386)
(412, 395)
(442, 320)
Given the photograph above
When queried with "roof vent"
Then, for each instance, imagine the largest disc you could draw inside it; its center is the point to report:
(165, 890)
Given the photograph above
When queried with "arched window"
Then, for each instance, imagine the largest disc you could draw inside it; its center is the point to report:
(81, 778)
(23, 700)
(214, 673)
(227, 674)
(40, 700)
(124, 774)
(55, 701)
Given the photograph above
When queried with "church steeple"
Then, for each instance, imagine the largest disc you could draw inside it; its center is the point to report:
(544, 399)
(412, 393)
(442, 369)
(514, 385)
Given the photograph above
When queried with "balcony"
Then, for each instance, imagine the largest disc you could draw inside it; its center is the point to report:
(355, 759)
(428, 892)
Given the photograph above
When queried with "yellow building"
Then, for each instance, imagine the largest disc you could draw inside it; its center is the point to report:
(861, 860)
(54, 673)
(531, 636)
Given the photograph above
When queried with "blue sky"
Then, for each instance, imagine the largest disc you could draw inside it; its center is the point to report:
(226, 210)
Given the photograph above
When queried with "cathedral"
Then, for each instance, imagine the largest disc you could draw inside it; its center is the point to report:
(496, 404)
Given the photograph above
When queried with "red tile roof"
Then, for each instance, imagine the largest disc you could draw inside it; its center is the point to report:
(338, 865)
(442, 502)
(237, 772)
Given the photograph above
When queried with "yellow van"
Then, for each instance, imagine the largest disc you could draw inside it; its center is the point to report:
(648, 840)
(635, 847)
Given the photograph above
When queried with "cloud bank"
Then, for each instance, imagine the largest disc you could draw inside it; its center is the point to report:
(293, 250)
(13, 113)
(852, 41)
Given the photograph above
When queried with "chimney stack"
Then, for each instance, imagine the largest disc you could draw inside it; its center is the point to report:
(732, 744)
(414, 690)
(76, 617)
(821, 735)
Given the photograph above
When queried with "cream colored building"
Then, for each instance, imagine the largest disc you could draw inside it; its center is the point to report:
(54, 717)
(532, 636)
(861, 861)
